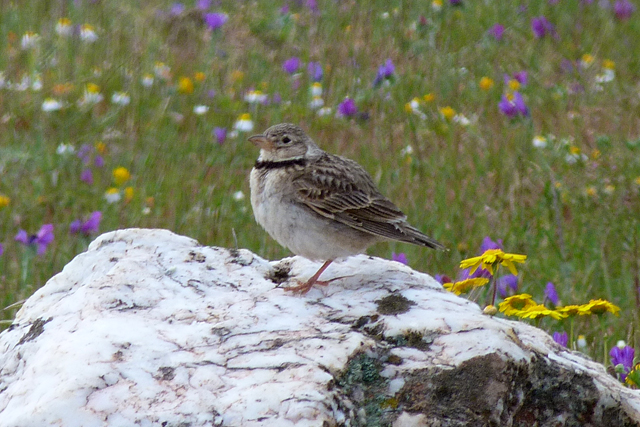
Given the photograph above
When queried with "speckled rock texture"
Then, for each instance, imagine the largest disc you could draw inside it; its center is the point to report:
(148, 328)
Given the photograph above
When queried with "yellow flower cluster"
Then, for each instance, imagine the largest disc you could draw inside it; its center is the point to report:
(492, 258)
(525, 307)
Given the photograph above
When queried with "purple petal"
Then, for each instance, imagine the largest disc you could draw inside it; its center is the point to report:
(22, 237)
(86, 176)
(74, 227)
(92, 224)
(45, 235)
(215, 20)
(487, 244)
(347, 108)
(497, 31)
(291, 65)
(401, 258)
(315, 71)
(551, 294)
(220, 134)
(561, 338)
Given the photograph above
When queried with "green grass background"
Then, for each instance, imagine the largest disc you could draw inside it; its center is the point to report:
(578, 223)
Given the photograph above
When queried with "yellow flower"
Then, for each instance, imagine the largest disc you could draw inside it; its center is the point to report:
(447, 112)
(515, 303)
(537, 311)
(600, 306)
(574, 150)
(465, 286)
(595, 154)
(571, 310)
(591, 191)
(513, 84)
(101, 147)
(121, 175)
(491, 258)
(608, 64)
(93, 88)
(185, 85)
(587, 59)
(128, 194)
(199, 76)
(430, 97)
(4, 201)
(486, 83)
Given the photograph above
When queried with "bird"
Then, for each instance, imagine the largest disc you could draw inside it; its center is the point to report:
(319, 205)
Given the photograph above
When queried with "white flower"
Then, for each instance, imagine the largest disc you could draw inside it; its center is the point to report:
(29, 40)
(238, 195)
(582, 342)
(162, 71)
(325, 111)
(621, 344)
(91, 95)
(316, 102)
(63, 27)
(88, 34)
(147, 80)
(121, 98)
(461, 119)
(244, 124)
(539, 141)
(65, 149)
(606, 76)
(112, 195)
(316, 89)
(200, 109)
(255, 97)
(50, 104)
(36, 85)
(406, 151)
(436, 5)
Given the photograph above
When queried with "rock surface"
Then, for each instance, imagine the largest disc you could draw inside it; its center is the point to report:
(149, 328)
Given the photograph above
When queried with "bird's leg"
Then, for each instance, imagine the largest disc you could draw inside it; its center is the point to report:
(305, 287)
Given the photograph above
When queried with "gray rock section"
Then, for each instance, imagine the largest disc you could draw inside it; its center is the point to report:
(150, 328)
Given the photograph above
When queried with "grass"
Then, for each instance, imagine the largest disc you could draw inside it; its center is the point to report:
(576, 220)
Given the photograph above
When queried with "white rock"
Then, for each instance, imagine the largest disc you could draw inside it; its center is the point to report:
(150, 328)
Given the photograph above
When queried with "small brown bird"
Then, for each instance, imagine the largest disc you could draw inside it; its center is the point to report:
(319, 205)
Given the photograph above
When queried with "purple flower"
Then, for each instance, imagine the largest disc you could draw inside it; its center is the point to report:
(514, 106)
(176, 9)
(561, 338)
(83, 153)
(74, 227)
(401, 258)
(521, 77)
(276, 98)
(215, 20)
(315, 71)
(41, 240)
(86, 176)
(497, 31)
(506, 282)
(623, 9)
(385, 72)
(1, 249)
(622, 356)
(347, 108)
(220, 134)
(87, 227)
(98, 161)
(455, 2)
(312, 5)
(541, 27)
(291, 65)
(203, 4)
(551, 294)
(487, 244)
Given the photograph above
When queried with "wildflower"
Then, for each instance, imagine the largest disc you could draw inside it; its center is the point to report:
(582, 341)
(203, 4)
(316, 89)
(486, 83)
(4, 201)
(112, 195)
(220, 134)
(599, 307)
(561, 338)
(622, 359)
(29, 40)
(255, 97)
(87, 227)
(572, 310)
(324, 111)
(86, 176)
(539, 141)
(537, 311)
(606, 76)
(464, 286)
(385, 73)
(516, 302)
(491, 258)
(185, 85)
(63, 27)
(176, 9)
(244, 123)
(64, 149)
(436, 5)
(401, 258)
(128, 194)
(291, 65)
(413, 106)
(1, 249)
(506, 282)
(447, 112)
(512, 105)
(215, 20)
(88, 34)
(315, 71)
(91, 95)
(199, 110)
(316, 102)
(121, 98)
(551, 294)
(461, 119)
(623, 9)
(608, 64)
(199, 76)
(487, 244)
(40, 240)
(541, 27)
(429, 97)
(497, 31)
(121, 175)
(347, 108)
(161, 70)
(50, 104)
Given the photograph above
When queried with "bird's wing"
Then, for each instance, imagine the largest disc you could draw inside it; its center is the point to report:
(340, 189)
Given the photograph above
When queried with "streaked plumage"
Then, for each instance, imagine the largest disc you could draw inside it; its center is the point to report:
(321, 206)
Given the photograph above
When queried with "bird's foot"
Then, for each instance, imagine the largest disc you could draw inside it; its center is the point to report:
(305, 287)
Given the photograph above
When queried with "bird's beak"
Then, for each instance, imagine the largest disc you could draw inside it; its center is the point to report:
(260, 141)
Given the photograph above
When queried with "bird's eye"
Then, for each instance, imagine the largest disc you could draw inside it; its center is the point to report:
(286, 140)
